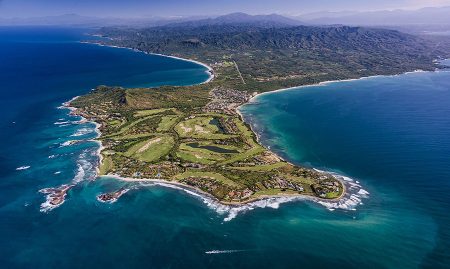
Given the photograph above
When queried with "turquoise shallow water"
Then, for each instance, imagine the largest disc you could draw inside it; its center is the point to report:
(390, 134)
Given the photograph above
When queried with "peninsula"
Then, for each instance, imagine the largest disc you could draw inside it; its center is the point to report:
(194, 135)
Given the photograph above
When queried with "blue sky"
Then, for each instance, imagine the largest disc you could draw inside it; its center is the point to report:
(140, 8)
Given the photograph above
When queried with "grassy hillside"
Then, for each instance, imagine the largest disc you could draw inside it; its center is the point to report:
(288, 56)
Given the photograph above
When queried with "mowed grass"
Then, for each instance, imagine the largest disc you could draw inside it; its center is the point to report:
(262, 168)
(132, 136)
(151, 149)
(142, 116)
(127, 127)
(198, 155)
(212, 175)
(167, 122)
(199, 127)
(106, 165)
(248, 137)
(114, 122)
(149, 112)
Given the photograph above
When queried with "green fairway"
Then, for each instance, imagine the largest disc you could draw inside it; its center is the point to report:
(152, 149)
(132, 136)
(127, 127)
(106, 165)
(211, 175)
(149, 112)
(267, 167)
(167, 122)
(191, 134)
(200, 127)
(198, 155)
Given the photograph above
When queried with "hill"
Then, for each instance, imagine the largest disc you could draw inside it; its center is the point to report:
(287, 56)
(429, 15)
(267, 21)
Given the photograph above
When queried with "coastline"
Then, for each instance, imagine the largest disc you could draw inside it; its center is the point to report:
(197, 191)
(323, 83)
(340, 202)
(194, 189)
(209, 71)
(201, 192)
(388, 134)
(327, 82)
(96, 129)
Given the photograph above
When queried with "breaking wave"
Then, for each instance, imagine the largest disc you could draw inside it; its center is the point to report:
(226, 251)
(85, 167)
(83, 131)
(350, 200)
(352, 197)
(25, 167)
(86, 162)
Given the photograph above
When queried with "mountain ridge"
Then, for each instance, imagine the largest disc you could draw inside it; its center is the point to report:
(240, 18)
(428, 15)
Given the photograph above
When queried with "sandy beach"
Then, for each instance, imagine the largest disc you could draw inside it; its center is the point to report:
(339, 201)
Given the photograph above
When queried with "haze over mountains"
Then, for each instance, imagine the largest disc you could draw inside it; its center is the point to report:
(87, 21)
(272, 20)
(239, 18)
(429, 16)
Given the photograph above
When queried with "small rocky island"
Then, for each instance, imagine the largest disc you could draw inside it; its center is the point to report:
(194, 135)
(111, 197)
(55, 196)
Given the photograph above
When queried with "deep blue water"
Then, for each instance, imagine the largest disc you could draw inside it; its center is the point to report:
(390, 133)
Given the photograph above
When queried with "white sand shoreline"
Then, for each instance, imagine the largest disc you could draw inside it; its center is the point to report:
(348, 200)
(324, 83)
(208, 195)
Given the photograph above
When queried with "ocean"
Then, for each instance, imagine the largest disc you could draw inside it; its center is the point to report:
(389, 135)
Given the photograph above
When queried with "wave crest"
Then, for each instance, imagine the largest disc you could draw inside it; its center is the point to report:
(351, 199)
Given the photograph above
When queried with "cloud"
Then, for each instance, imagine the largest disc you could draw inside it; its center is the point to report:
(430, 3)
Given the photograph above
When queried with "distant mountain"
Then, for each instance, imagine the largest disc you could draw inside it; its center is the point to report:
(287, 52)
(66, 19)
(430, 15)
(242, 19)
(85, 21)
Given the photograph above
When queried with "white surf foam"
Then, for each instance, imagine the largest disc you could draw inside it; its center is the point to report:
(225, 251)
(353, 197)
(85, 168)
(25, 167)
(61, 122)
(114, 199)
(230, 211)
(51, 195)
(83, 131)
(68, 143)
(47, 206)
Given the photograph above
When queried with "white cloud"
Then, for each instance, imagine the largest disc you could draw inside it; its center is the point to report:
(429, 3)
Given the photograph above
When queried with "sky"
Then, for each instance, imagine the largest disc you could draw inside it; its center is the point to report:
(146, 8)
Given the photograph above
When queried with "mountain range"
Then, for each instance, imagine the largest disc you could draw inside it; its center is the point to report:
(428, 16)
(243, 19)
